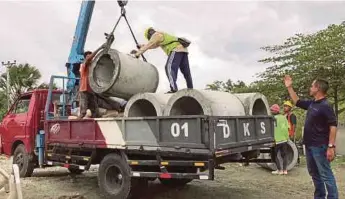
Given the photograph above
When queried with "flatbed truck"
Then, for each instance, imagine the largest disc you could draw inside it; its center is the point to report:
(130, 151)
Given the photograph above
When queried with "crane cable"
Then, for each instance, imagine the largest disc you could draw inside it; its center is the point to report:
(110, 36)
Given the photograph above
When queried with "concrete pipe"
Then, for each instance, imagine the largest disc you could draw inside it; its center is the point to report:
(254, 103)
(203, 102)
(115, 74)
(292, 158)
(146, 104)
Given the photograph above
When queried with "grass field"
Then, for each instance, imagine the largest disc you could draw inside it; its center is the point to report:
(236, 182)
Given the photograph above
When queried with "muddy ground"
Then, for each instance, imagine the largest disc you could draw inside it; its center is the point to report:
(236, 182)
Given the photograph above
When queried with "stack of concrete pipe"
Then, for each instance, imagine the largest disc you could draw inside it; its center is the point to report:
(115, 74)
(197, 102)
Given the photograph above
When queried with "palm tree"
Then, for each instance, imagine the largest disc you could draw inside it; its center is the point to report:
(23, 77)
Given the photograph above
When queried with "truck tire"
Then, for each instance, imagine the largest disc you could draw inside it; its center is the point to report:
(75, 171)
(114, 178)
(23, 160)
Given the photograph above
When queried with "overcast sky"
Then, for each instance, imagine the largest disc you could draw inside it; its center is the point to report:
(226, 35)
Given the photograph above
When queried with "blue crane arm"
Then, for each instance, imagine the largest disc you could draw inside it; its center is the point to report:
(76, 55)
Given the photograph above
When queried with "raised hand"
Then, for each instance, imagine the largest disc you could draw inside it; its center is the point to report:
(288, 81)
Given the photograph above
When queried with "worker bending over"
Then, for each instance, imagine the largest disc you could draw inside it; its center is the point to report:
(87, 96)
(177, 52)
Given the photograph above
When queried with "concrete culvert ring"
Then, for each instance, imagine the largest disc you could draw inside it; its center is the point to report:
(292, 155)
(117, 74)
(141, 108)
(254, 103)
(186, 106)
(146, 104)
(203, 102)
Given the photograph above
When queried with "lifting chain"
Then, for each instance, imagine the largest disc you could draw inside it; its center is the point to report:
(110, 36)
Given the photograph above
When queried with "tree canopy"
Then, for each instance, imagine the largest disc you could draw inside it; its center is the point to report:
(304, 57)
(23, 77)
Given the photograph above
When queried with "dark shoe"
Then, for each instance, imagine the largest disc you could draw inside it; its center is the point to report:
(170, 92)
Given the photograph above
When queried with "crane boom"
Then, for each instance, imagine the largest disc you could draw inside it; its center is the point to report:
(76, 54)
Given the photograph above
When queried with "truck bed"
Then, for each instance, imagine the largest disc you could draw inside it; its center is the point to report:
(181, 134)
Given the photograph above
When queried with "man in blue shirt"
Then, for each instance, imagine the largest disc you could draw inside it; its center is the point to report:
(319, 136)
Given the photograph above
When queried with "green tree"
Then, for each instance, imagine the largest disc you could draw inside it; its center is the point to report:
(23, 77)
(306, 57)
(215, 86)
(3, 104)
(230, 86)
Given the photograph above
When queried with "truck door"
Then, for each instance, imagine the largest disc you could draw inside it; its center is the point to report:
(14, 123)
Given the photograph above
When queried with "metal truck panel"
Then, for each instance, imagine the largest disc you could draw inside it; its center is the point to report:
(240, 131)
(163, 133)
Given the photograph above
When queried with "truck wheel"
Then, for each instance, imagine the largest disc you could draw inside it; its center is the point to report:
(75, 171)
(114, 177)
(22, 159)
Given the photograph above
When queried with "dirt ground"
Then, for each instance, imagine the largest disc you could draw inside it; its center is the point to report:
(236, 182)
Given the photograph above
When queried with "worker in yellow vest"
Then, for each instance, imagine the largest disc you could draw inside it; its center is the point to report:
(281, 138)
(291, 119)
(175, 48)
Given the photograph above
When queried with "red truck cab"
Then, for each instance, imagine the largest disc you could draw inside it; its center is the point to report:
(20, 126)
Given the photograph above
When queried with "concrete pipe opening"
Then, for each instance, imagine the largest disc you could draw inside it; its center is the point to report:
(186, 106)
(259, 107)
(146, 104)
(105, 72)
(203, 102)
(142, 108)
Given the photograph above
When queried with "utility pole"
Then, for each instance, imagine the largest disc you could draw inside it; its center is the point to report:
(8, 66)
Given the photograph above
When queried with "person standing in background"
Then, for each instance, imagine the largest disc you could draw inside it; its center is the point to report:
(281, 137)
(292, 119)
(319, 136)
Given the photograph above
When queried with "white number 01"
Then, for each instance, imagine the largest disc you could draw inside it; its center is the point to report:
(176, 129)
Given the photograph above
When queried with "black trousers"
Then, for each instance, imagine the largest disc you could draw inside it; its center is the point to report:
(88, 101)
(283, 149)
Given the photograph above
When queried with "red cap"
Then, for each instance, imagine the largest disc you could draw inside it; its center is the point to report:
(275, 108)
